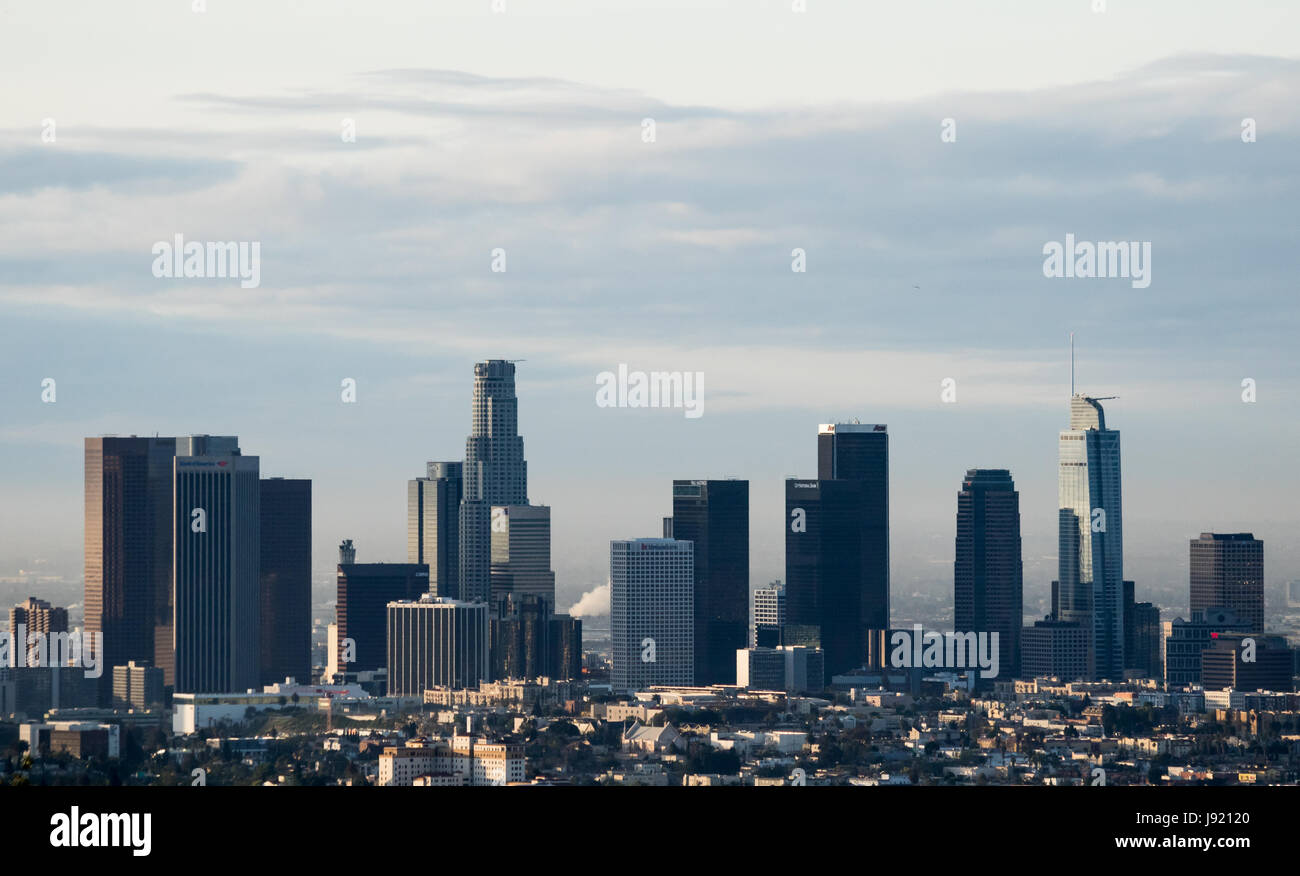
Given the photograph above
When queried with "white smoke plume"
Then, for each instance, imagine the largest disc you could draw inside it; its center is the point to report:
(594, 603)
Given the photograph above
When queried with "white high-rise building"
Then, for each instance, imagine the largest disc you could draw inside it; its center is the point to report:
(1091, 535)
(767, 615)
(652, 613)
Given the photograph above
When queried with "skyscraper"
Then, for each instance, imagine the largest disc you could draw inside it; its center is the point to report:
(521, 553)
(988, 585)
(216, 580)
(435, 642)
(128, 548)
(826, 563)
(495, 472)
(714, 515)
(1227, 570)
(768, 616)
(651, 613)
(1090, 553)
(286, 580)
(433, 525)
(860, 452)
(361, 610)
(37, 616)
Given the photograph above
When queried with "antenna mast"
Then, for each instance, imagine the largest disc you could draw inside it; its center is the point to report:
(1071, 364)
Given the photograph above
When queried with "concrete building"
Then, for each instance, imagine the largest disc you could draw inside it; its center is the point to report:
(1055, 649)
(792, 669)
(137, 687)
(767, 616)
(652, 613)
(1185, 640)
(1226, 570)
(462, 760)
(79, 739)
(38, 616)
(1247, 663)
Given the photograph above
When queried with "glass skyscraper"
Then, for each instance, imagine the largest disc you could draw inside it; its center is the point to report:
(988, 583)
(494, 473)
(433, 525)
(1090, 554)
(286, 580)
(217, 575)
(714, 515)
(860, 452)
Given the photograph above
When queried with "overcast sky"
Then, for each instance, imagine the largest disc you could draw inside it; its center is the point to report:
(774, 130)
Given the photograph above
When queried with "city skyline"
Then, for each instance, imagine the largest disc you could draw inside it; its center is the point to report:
(568, 593)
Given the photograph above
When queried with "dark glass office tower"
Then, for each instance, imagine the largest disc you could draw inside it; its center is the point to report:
(433, 525)
(217, 574)
(528, 640)
(128, 545)
(566, 647)
(827, 566)
(286, 580)
(1227, 570)
(860, 452)
(495, 472)
(988, 583)
(364, 591)
(520, 634)
(715, 516)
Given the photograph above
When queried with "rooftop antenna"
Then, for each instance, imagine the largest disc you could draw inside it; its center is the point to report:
(1071, 364)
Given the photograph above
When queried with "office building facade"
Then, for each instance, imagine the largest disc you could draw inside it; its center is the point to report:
(433, 525)
(436, 642)
(216, 605)
(285, 580)
(363, 594)
(1183, 642)
(494, 472)
(714, 516)
(767, 616)
(128, 548)
(521, 553)
(652, 613)
(988, 582)
(1090, 552)
(826, 571)
(860, 452)
(1227, 570)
